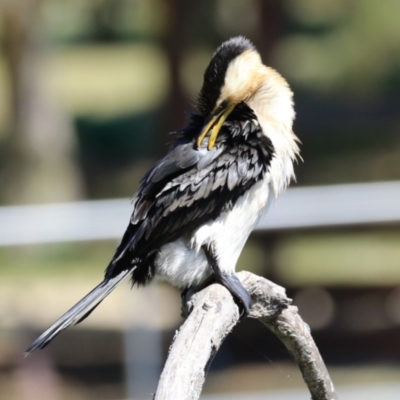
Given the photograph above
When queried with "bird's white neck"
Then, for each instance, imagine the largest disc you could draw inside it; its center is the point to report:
(273, 105)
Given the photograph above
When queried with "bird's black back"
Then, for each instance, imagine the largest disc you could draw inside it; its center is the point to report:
(191, 186)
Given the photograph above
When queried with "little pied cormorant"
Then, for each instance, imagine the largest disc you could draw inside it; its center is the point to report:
(196, 207)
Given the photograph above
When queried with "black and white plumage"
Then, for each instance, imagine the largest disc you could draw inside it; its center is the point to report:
(196, 207)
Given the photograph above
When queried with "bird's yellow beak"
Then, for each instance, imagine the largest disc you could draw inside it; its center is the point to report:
(215, 123)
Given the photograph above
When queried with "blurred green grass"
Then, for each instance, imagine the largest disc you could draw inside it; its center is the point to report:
(341, 258)
(85, 259)
(56, 260)
(98, 80)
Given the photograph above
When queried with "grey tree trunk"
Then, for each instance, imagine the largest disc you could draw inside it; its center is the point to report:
(38, 152)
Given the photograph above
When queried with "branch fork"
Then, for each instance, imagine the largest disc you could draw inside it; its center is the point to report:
(213, 314)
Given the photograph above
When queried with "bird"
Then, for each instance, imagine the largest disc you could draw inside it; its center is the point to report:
(196, 207)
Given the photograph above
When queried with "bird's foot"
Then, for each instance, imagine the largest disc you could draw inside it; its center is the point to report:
(230, 281)
(239, 292)
(187, 294)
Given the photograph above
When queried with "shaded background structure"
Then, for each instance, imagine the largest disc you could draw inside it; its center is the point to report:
(89, 90)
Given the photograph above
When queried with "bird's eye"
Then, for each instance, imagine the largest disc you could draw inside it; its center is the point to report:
(222, 107)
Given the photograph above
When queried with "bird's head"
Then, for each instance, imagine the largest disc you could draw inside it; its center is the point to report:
(235, 75)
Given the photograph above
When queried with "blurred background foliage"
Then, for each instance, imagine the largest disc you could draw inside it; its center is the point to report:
(89, 90)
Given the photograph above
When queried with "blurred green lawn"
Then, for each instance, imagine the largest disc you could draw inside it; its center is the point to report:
(370, 258)
(342, 258)
(84, 259)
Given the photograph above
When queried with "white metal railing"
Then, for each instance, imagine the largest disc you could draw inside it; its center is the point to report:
(302, 207)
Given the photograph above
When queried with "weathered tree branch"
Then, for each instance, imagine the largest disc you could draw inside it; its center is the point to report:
(213, 314)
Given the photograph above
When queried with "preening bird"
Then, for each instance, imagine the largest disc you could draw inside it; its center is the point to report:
(195, 209)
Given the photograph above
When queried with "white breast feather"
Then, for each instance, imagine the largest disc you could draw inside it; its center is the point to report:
(182, 262)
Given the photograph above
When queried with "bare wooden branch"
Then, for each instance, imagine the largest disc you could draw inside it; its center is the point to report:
(292, 331)
(213, 314)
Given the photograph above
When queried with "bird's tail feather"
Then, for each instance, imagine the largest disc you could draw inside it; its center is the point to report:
(79, 311)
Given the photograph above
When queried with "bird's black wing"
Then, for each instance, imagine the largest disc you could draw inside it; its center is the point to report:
(189, 187)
